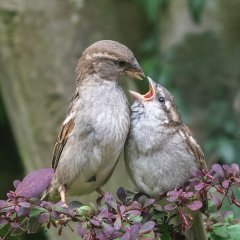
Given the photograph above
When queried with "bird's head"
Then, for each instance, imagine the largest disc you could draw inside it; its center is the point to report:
(109, 60)
(158, 103)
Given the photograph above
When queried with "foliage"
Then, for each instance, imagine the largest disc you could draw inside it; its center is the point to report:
(196, 7)
(200, 69)
(131, 216)
(206, 96)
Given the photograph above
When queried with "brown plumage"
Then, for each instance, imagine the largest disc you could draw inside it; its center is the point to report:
(97, 123)
(161, 152)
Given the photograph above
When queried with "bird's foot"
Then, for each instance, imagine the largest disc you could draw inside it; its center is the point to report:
(100, 197)
(62, 190)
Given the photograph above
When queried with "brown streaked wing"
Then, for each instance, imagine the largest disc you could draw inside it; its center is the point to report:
(61, 141)
(194, 147)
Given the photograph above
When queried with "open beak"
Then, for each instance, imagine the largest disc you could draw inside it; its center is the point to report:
(149, 95)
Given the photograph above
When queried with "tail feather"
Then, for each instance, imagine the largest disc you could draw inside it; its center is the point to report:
(50, 195)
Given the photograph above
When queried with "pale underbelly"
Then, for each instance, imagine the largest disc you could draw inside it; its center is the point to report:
(94, 177)
(157, 174)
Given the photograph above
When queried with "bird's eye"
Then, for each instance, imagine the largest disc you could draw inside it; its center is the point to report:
(161, 99)
(121, 63)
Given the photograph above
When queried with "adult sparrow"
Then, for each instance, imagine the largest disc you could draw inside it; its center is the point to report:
(160, 152)
(97, 123)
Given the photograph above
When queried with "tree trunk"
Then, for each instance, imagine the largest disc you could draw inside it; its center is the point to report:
(40, 43)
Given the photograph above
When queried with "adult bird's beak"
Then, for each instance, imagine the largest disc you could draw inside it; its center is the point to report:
(135, 71)
(149, 95)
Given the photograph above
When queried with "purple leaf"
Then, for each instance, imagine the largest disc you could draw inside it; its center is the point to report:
(216, 201)
(54, 214)
(227, 169)
(43, 217)
(225, 183)
(87, 236)
(61, 204)
(134, 231)
(24, 204)
(195, 205)
(100, 235)
(148, 202)
(135, 205)
(126, 236)
(121, 195)
(134, 212)
(95, 222)
(34, 184)
(4, 204)
(118, 223)
(235, 168)
(110, 200)
(146, 227)
(116, 235)
(48, 205)
(122, 209)
(172, 198)
(24, 212)
(11, 195)
(15, 225)
(197, 173)
(158, 207)
(218, 169)
(103, 214)
(82, 228)
(187, 194)
(199, 186)
(170, 207)
(17, 208)
(16, 183)
(65, 210)
(3, 222)
(107, 229)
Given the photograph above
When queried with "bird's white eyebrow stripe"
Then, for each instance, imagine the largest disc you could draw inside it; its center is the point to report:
(100, 55)
(168, 105)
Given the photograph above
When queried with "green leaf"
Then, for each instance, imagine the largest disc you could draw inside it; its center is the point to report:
(196, 7)
(148, 236)
(152, 8)
(4, 229)
(221, 231)
(226, 150)
(36, 211)
(125, 225)
(213, 236)
(234, 231)
(166, 231)
(135, 218)
(85, 210)
(160, 216)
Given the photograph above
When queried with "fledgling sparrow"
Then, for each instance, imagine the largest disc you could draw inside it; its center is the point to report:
(160, 151)
(96, 126)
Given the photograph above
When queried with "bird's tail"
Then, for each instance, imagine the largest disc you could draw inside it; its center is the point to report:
(50, 195)
(45, 195)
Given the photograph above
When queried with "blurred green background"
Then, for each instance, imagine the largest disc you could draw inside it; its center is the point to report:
(192, 47)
